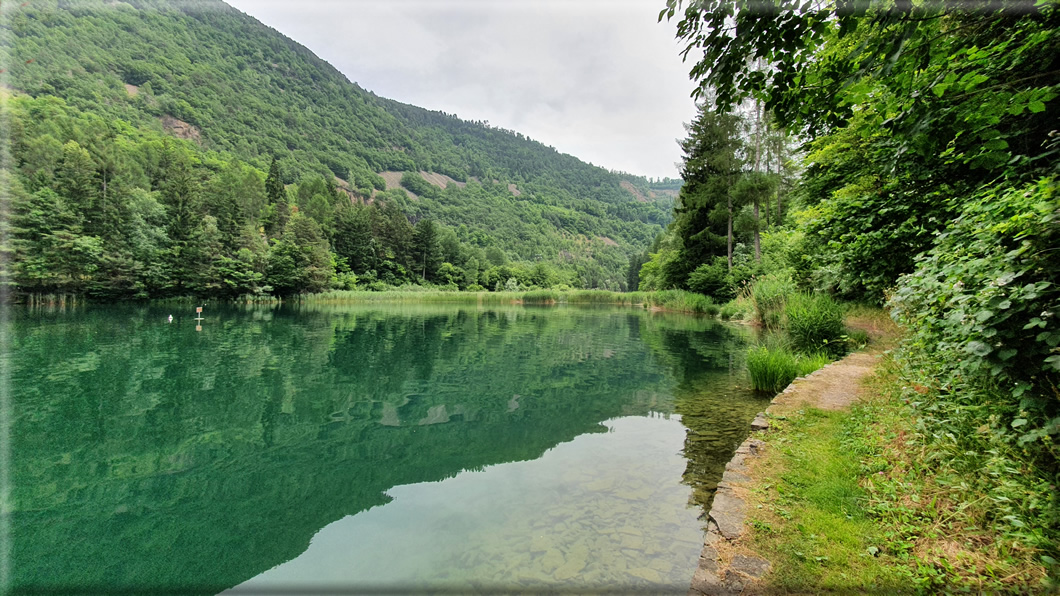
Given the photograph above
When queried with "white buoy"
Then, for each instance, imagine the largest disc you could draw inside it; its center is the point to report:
(170, 318)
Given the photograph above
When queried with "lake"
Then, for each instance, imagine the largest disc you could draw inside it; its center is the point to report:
(364, 448)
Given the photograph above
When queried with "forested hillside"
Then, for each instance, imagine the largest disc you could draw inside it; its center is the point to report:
(164, 148)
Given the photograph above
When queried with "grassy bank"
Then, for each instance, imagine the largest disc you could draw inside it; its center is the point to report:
(851, 501)
(669, 300)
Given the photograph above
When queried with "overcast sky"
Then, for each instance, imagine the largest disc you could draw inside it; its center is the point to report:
(599, 79)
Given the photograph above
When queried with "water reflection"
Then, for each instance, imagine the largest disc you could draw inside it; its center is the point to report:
(149, 455)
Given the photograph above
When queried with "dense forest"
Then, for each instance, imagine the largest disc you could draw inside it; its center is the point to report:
(899, 154)
(163, 149)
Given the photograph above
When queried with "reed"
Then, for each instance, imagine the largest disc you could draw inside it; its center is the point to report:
(815, 323)
(682, 301)
(774, 367)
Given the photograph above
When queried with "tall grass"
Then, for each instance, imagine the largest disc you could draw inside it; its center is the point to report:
(815, 323)
(773, 365)
(768, 295)
(540, 297)
(736, 309)
(682, 301)
(674, 300)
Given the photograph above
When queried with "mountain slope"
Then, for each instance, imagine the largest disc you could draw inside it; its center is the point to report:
(236, 89)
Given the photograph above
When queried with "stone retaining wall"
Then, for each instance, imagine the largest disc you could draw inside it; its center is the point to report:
(725, 521)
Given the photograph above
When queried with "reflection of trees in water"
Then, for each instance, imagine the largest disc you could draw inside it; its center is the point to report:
(148, 454)
(713, 405)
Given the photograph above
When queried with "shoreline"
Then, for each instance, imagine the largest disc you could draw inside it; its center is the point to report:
(720, 571)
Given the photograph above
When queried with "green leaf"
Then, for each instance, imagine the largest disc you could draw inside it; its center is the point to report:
(978, 348)
(1019, 422)
(1036, 106)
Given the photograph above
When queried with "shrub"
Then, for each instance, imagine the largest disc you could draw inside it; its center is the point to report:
(815, 323)
(981, 308)
(711, 279)
(714, 279)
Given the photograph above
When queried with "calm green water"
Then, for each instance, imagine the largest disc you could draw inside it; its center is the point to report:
(400, 448)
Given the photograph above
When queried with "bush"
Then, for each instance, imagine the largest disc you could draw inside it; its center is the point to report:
(981, 308)
(815, 323)
(711, 279)
(714, 279)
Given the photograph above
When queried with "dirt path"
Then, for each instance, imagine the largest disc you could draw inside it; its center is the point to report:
(722, 570)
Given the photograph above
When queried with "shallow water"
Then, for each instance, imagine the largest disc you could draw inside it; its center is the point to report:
(398, 448)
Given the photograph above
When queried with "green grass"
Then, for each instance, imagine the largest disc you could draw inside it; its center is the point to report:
(767, 297)
(815, 323)
(850, 502)
(682, 301)
(670, 300)
(808, 518)
(773, 366)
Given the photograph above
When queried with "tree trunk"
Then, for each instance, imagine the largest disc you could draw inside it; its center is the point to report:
(758, 161)
(730, 233)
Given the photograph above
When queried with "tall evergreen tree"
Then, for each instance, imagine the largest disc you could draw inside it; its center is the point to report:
(703, 221)
(426, 250)
(276, 196)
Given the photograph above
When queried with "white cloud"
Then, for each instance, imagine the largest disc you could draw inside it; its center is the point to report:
(600, 80)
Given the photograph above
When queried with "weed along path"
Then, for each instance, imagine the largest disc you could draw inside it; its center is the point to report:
(729, 563)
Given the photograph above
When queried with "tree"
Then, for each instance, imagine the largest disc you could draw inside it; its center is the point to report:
(353, 238)
(276, 198)
(946, 73)
(180, 194)
(707, 205)
(426, 249)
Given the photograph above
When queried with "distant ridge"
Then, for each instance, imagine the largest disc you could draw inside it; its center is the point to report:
(203, 71)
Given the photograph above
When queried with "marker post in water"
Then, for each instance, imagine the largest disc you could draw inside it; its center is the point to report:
(198, 317)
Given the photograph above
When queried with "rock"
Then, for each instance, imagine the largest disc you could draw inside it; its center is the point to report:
(727, 512)
(569, 570)
(633, 542)
(706, 582)
(553, 559)
(708, 558)
(645, 573)
(660, 565)
(634, 495)
(730, 476)
(540, 544)
(760, 422)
